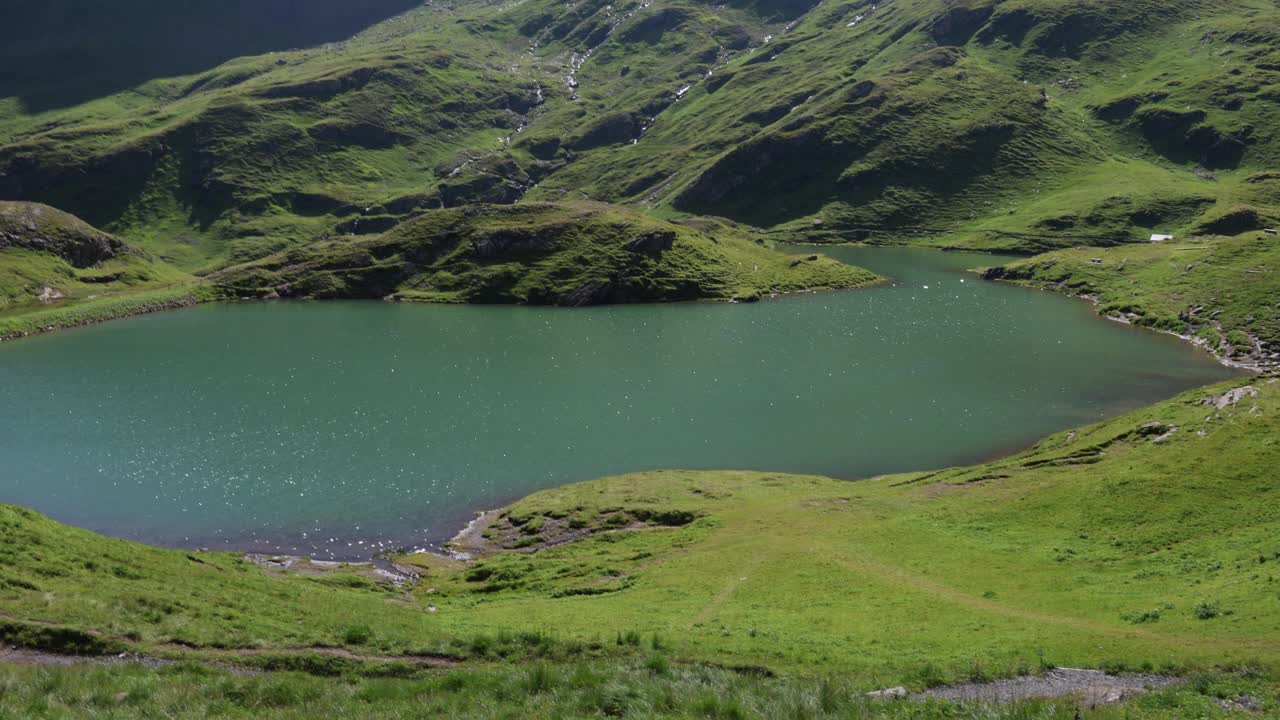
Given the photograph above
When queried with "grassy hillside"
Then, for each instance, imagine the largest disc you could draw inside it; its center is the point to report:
(1105, 545)
(57, 271)
(1218, 291)
(1023, 124)
(575, 153)
(52, 264)
(537, 253)
(1142, 542)
(652, 688)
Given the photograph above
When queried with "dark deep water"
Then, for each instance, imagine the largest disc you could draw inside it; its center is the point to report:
(338, 429)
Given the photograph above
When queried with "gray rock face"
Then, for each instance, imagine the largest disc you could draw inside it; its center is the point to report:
(511, 240)
(1094, 687)
(889, 693)
(1249, 703)
(958, 24)
(592, 292)
(1231, 397)
(40, 228)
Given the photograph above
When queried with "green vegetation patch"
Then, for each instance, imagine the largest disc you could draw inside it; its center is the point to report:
(541, 253)
(1141, 543)
(1219, 290)
(651, 689)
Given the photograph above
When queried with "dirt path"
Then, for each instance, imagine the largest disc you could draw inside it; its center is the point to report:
(929, 586)
(1093, 687)
(420, 660)
(740, 576)
(13, 655)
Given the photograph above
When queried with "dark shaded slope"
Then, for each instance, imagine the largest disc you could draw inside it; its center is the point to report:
(61, 53)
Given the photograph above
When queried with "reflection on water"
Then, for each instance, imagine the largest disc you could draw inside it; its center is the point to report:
(337, 428)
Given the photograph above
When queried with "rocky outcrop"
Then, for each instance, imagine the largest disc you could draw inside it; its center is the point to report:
(40, 228)
(592, 292)
(612, 129)
(1161, 125)
(652, 243)
(1216, 149)
(1231, 397)
(513, 241)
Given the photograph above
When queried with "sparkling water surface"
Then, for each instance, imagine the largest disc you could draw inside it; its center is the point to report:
(342, 428)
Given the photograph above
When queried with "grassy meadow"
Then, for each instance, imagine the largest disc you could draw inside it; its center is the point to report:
(574, 153)
(1143, 543)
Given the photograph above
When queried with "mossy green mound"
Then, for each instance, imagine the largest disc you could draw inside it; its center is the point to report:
(51, 261)
(40, 228)
(542, 254)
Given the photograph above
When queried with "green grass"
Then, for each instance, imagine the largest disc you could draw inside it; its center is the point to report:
(1037, 114)
(58, 271)
(542, 253)
(1043, 125)
(95, 310)
(1045, 554)
(1044, 557)
(579, 690)
(1220, 290)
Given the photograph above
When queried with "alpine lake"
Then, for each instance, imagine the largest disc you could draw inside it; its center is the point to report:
(341, 429)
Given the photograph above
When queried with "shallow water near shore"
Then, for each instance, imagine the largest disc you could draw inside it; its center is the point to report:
(339, 429)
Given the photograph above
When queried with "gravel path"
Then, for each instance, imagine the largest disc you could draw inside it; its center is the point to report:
(1094, 687)
(11, 655)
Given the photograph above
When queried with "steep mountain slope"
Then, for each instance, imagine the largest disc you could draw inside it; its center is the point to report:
(896, 116)
(77, 50)
(1024, 124)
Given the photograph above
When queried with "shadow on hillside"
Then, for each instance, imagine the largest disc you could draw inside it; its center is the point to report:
(59, 53)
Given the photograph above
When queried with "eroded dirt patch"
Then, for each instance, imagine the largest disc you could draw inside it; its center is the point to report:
(377, 571)
(14, 655)
(1093, 687)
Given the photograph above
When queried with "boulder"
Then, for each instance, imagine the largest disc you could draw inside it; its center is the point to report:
(1231, 397)
(888, 693)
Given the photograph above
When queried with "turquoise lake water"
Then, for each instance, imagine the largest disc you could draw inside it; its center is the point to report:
(342, 428)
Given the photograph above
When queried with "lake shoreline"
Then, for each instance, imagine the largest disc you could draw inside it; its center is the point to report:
(398, 541)
(86, 314)
(1255, 367)
(119, 308)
